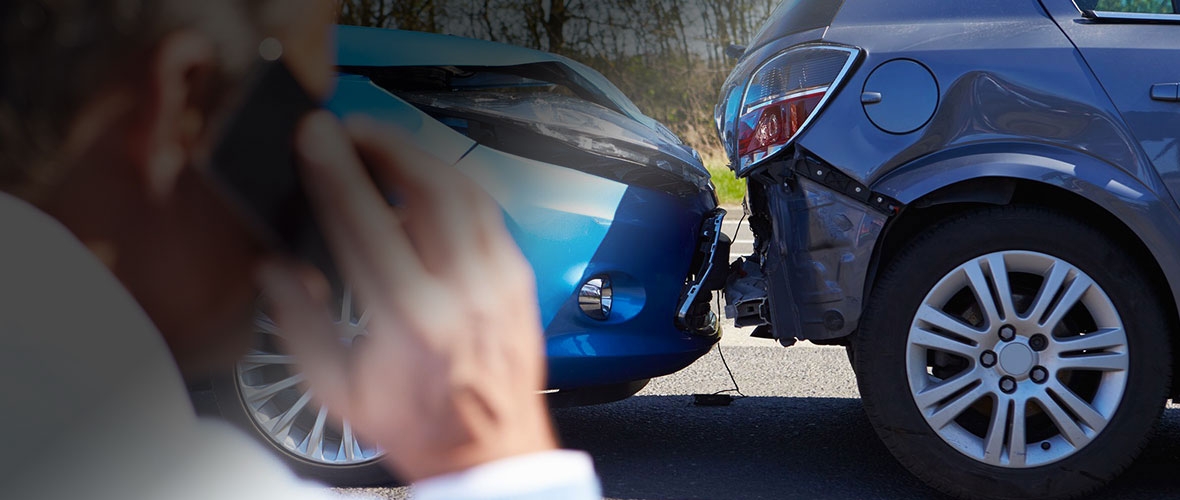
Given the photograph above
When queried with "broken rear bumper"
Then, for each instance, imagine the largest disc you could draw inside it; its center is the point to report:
(815, 234)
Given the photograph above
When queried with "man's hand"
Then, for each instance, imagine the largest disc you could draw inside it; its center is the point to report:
(449, 374)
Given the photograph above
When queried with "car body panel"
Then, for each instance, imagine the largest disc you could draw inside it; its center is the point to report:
(1128, 59)
(795, 16)
(558, 217)
(1011, 74)
(1016, 100)
(1151, 215)
(571, 225)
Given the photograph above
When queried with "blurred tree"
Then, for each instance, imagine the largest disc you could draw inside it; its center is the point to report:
(417, 15)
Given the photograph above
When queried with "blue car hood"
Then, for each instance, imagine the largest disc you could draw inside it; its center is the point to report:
(605, 119)
(373, 47)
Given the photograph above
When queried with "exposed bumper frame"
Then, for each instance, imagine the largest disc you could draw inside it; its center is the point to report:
(813, 250)
(694, 313)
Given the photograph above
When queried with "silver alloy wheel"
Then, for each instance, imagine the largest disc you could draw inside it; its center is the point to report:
(1017, 359)
(280, 404)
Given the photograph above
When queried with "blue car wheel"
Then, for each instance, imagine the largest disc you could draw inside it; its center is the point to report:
(265, 395)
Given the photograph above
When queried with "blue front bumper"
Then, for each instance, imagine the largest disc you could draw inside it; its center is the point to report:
(648, 252)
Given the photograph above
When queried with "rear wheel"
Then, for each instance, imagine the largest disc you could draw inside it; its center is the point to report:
(266, 395)
(1013, 353)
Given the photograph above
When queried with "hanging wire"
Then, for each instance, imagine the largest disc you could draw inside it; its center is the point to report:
(736, 389)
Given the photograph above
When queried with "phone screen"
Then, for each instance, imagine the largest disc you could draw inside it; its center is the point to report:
(253, 163)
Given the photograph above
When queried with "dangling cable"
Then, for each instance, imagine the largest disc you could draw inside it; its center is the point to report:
(721, 398)
(725, 363)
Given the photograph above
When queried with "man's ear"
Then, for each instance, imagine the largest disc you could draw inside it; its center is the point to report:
(173, 110)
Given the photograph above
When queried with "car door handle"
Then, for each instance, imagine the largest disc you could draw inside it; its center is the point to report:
(1169, 92)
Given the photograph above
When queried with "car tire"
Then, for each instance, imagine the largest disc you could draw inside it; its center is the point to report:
(942, 407)
(247, 397)
(232, 409)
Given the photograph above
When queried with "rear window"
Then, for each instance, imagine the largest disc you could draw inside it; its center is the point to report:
(1134, 6)
(794, 16)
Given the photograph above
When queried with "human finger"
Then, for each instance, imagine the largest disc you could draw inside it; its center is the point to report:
(308, 331)
(366, 240)
(440, 207)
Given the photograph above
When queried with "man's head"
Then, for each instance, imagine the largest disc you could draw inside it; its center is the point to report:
(104, 107)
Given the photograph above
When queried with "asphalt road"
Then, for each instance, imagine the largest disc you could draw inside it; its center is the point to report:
(799, 433)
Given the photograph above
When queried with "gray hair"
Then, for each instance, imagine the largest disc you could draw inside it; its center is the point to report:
(57, 54)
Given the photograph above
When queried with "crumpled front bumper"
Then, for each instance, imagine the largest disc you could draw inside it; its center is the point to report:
(694, 314)
(815, 233)
(653, 253)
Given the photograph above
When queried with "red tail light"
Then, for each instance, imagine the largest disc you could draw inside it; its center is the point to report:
(784, 95)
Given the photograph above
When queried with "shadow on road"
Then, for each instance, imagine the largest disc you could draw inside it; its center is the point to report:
(663, 447)
(1155, 473)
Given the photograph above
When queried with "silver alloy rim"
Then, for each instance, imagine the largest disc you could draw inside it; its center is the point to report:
(1017, 359)
(281, 405)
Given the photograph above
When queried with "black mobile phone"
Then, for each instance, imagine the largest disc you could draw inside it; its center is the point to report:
(253, 163)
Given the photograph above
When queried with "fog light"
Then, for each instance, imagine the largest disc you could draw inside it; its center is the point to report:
(595, 297)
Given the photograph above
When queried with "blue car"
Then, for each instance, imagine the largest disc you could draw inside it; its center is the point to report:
(979, 199)
(617, 216)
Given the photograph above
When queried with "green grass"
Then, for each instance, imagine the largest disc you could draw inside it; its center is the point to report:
(730, 189)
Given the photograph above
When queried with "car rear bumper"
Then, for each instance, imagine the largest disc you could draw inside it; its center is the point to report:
(815, 238)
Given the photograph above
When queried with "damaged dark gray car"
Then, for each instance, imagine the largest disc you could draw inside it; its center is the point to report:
(979, 200)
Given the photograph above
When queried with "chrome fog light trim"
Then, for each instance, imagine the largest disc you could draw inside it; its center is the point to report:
(595, 297)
